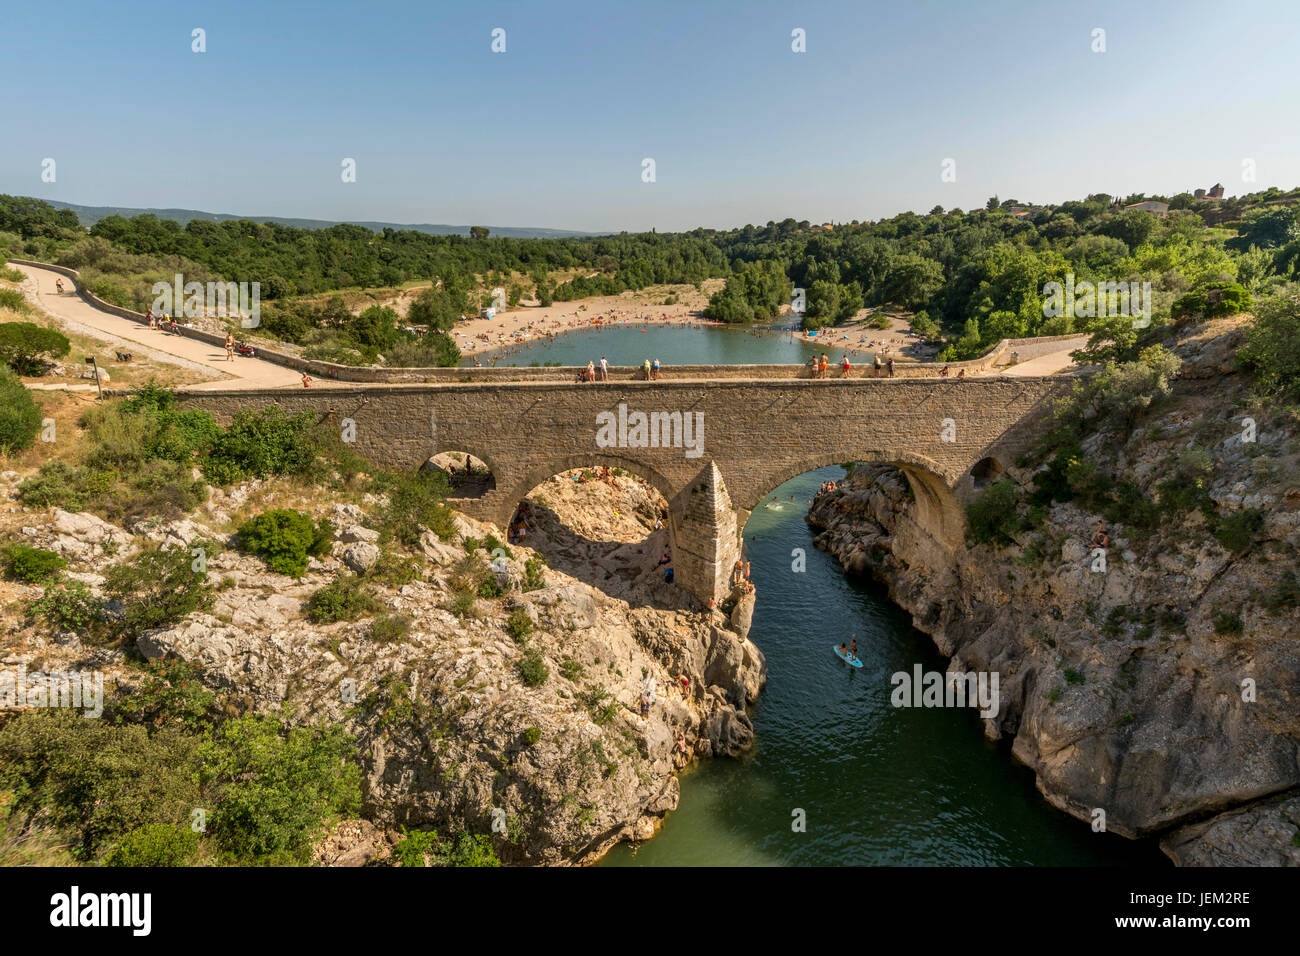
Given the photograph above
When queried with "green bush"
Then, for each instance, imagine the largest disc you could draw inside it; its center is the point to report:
(1238, 530)
(388, 628)
(519, 625)
(532, 735)
(157, 589)
(1270, 351)
(274, 787)
(490, 588)
(96, 779)
(1285, 594)
(25, 346)
(144, 426)
(532, 669)
(343, 599)
(171, 693)
(55, 485)
(415, 503)
(533, 578)
(24, 563)
(1215, 299)
(285, 539)
(138, 462)
(1225, 622)
(415, 847)
(20, 416)
(155, 844)
(992, 516)
(71, 606)
(469, 850)
(260, 444)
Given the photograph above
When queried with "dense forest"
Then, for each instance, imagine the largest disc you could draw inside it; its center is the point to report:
(969, 278)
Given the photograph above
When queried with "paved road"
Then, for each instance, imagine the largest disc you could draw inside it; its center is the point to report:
(191, 353)
(1048, 364)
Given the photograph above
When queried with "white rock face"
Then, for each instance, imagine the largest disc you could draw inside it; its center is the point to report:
(361, 557)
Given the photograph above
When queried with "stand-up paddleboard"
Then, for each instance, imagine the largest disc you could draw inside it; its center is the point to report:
(846, 657)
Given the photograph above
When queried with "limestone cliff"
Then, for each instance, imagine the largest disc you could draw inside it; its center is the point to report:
(1123, 688)
(451, 732)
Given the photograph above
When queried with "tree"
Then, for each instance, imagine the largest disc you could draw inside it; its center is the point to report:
(1270, 350)
(20, 416)
(436, 309)
(1268, 229)
(24, 346)
(913, 280)
(1133, 226)
(924, 326)
(478, 232)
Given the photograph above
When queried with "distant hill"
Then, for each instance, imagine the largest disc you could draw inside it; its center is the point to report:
(89, 215)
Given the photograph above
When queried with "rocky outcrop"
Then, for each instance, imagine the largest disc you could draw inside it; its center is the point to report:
(466, 718)
(1163, 687)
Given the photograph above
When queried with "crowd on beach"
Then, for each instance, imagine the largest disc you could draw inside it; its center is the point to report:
(512, 341)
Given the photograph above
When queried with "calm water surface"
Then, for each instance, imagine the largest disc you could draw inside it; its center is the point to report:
(672, 345)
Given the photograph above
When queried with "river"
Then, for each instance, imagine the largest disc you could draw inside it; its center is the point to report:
(878, 785)
(672, 345)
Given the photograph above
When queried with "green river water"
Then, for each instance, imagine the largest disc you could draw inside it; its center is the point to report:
(879, 785)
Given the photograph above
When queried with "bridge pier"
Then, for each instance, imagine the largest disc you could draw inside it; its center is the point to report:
(707, 536)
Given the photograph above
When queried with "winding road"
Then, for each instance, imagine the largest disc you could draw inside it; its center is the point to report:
(132, 336)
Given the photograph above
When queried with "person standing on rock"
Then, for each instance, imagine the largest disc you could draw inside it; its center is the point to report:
(890, 364)
(604, 369)
(647, 695)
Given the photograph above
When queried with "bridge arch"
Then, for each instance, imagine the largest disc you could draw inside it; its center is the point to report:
(512, 493)
(616, 556)
(938, 511)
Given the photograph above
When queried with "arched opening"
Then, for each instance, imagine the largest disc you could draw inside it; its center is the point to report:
(985, 472)
(468, 475)
(606, 526)
(935, 512)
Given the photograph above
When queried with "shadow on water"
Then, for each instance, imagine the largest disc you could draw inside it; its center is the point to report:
(878, 785)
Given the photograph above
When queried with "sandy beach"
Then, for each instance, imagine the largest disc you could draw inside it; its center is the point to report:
(528, 323)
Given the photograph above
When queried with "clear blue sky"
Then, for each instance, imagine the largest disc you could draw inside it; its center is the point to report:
(553, 131)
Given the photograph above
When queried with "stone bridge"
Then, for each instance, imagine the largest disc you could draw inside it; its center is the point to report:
(745, 438)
